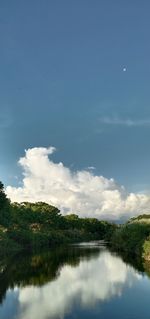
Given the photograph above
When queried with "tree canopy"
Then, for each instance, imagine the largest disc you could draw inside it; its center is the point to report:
(4, 206)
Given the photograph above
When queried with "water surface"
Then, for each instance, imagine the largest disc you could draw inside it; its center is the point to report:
(85, 281)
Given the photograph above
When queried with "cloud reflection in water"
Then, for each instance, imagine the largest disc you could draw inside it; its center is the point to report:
(90, 282)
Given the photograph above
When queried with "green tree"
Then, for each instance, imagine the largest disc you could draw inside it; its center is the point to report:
(4, 207)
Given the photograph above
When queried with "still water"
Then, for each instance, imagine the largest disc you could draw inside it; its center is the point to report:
(85, 281)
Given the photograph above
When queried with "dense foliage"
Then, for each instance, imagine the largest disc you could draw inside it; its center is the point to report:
(4, 207)
(34, 225)
(133, 237)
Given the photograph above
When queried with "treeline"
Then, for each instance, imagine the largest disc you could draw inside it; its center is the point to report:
(133, 237)
(32, 226)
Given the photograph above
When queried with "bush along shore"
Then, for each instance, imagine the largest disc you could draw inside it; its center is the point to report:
(32, 226)
(133, 237)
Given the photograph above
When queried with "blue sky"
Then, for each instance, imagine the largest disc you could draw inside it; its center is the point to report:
(62, 84)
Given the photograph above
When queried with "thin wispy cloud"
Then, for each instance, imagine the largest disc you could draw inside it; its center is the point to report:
(124, 122)
(92, 168)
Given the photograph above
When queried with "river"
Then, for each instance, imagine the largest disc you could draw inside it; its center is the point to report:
(83, 281)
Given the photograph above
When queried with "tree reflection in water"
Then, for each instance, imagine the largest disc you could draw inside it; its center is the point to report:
(48, 285)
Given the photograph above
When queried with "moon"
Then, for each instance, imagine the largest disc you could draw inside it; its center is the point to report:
(124, 69)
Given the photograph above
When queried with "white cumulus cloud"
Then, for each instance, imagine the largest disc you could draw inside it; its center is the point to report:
(79, 192)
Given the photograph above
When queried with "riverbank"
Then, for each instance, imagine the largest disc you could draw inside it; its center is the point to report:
(133, 237)
(32, 226)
